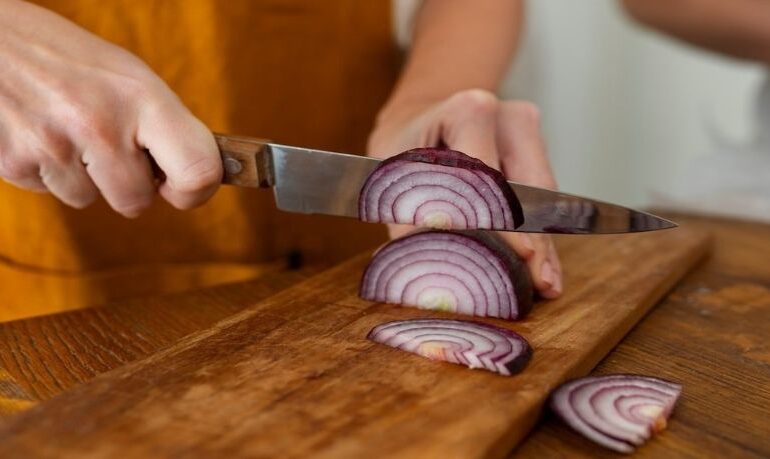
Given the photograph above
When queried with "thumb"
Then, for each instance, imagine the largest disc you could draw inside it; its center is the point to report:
(185, 150)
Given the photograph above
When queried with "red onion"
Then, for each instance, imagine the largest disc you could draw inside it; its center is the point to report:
(619, 412)
(466, 272)
(439, 188)
(475, 344)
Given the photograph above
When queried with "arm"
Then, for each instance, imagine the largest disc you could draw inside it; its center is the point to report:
(739, 28)
(458, 44)
(446, 94)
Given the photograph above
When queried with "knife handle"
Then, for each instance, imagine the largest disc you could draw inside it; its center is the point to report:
(245, 161)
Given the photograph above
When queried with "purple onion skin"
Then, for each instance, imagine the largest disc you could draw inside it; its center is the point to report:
(453, 158)
(517, 365)
(516, 269)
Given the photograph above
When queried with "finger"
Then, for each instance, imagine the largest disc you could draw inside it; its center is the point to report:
(524, 159)
(186, 152)
(521, 243)
(553, 259)
(546, 268)
(522, 146)
(539, 254)
(123, 176)
(472, 127)
(69, 182)
(469, 120)
(31, 184)
(26, 177)
(19, 169)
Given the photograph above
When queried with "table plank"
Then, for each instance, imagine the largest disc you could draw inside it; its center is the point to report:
(48, 355)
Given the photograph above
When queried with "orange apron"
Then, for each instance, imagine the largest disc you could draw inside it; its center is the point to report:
(309, 73)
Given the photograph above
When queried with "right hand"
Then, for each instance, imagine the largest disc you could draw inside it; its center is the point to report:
(79, 117)
(505, 134)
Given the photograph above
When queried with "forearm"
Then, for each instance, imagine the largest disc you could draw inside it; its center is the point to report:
(740, 28)
(458, 44)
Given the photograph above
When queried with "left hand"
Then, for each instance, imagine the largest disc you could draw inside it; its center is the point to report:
(505, 134)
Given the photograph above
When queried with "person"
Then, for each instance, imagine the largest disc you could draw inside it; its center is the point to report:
(733, 178)
(92, 94)
(737, 28)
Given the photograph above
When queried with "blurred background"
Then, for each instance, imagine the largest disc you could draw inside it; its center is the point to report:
(636, 117)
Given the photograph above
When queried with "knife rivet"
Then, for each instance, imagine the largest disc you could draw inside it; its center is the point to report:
(232, 166)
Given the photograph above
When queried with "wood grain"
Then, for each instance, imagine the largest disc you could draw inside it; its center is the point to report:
(33, 292)
(13, 398)
(293, 375)
(711, 335)
(49, 355)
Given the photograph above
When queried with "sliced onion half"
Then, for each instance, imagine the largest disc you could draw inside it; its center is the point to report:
(619, 412)
(474, 344)
(439, 188)
(465, 272)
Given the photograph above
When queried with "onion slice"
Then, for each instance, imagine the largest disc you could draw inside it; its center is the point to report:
(439, 188)
(474, 344)
(466, 272)
(619, 412)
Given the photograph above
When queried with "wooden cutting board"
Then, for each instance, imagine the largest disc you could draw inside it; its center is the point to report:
(293, 375)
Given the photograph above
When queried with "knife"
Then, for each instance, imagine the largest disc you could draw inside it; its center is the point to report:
(321, 182)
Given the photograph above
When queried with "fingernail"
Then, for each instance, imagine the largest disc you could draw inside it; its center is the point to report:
(557, 284)
(546, 273)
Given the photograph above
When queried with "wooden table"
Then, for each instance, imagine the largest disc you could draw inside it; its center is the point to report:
(712, 333)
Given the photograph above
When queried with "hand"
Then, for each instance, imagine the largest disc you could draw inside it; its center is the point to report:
(79, 117)
(504, 134)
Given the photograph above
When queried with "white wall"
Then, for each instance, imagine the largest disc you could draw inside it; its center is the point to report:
(625, 109)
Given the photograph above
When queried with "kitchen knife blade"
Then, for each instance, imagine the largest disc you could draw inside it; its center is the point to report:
(321, 182)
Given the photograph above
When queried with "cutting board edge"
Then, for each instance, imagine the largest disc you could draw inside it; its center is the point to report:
(699, 254)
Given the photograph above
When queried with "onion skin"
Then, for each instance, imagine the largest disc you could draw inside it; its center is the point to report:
(619, 412)
(470, 343)
(439, 188)
(465, 272)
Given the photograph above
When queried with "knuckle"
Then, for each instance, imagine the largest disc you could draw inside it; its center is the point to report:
(49, 144)
(12, 168)
(475, 101)
(91, 128)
